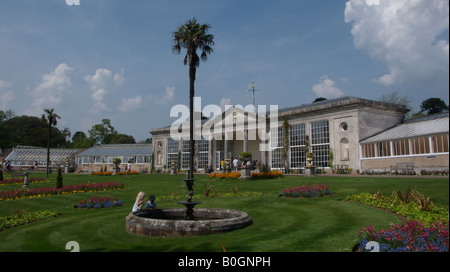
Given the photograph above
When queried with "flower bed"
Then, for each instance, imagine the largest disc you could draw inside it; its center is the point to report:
(125, 172)
(307, 191)
(25, 218)
(412, 209)
(70, 189)
(413, 237)
(109, 173)
(176, 196)
(102, 173)
(225, 176)
(21, 180)
(96, 202)
(266, 175)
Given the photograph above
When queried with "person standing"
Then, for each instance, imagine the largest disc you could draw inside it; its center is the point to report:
(235, 164)
(129, 170)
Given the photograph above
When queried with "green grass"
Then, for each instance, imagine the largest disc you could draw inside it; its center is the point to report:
(279, 224)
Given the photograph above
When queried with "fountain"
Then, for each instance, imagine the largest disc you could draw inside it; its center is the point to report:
(186, 222)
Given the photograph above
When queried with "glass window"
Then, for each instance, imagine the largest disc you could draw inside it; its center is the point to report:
(276, 136)
(202, 156)
(320, 142)
(297, 135)
(172, 151)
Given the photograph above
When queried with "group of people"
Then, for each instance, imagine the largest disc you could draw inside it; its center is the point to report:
(250, 164)
(139, 206)
(5, 166)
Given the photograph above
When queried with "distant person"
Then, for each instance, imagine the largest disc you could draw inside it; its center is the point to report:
(235, 164)
(129, 170)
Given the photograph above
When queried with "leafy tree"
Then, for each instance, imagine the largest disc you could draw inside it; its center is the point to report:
(29, 130)
(122, 139)
(433, 105)
(50, 117)
(6, 115)
(192, 36)
(318, 99)
(80, 140)
(102, 133)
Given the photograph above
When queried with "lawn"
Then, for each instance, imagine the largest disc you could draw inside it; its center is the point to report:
(326, 224)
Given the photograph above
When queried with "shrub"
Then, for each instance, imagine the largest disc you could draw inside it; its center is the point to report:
(59, 179)
(413, 209)
(22, 218)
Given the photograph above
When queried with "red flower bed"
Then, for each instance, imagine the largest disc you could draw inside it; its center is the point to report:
(70, 189)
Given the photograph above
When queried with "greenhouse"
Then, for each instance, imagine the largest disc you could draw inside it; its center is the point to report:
(100, 157)
(32, 157)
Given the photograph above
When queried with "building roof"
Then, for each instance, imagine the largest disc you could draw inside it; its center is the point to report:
(335, 104)
(33, 153)
(428, 125)
(118, 150)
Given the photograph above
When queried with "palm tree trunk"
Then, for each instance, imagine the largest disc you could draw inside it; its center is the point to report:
(48, 148)
(191, 119)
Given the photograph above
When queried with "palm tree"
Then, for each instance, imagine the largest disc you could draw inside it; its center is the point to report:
(49, 117)
(192, 36)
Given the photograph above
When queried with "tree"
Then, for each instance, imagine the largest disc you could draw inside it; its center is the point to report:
(318, 99)
(6, 115)
(50, 117)
(123, 139)
(192, 36)
(29, 130)
(395, 98)
(285, 151)
(80, 140)
(433, 105)
(102, 133)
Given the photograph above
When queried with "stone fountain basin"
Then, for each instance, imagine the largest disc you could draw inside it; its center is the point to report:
(172, 222)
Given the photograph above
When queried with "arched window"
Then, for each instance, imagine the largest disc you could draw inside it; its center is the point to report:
(345, 149)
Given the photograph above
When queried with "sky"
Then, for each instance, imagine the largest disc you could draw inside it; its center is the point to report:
(113, 59)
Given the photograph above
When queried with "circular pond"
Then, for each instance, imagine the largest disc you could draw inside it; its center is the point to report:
(172, 222)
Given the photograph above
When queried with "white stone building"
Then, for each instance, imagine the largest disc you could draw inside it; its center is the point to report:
(336, 125)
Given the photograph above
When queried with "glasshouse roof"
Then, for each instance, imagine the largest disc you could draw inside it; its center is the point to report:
(31, 153)
(118, 150)
(429, 125)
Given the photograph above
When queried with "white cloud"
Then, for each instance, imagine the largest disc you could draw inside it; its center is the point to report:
(327, 88)
(168, 95)
(130, 103)
(100, 84)
(99, 96)
(404, 34)
(6, 95)
(49, 92)
(118, 78)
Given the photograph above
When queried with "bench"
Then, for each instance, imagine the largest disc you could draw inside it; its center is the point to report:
(406, 168)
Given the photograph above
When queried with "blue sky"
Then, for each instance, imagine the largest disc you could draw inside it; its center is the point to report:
(113, 58)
